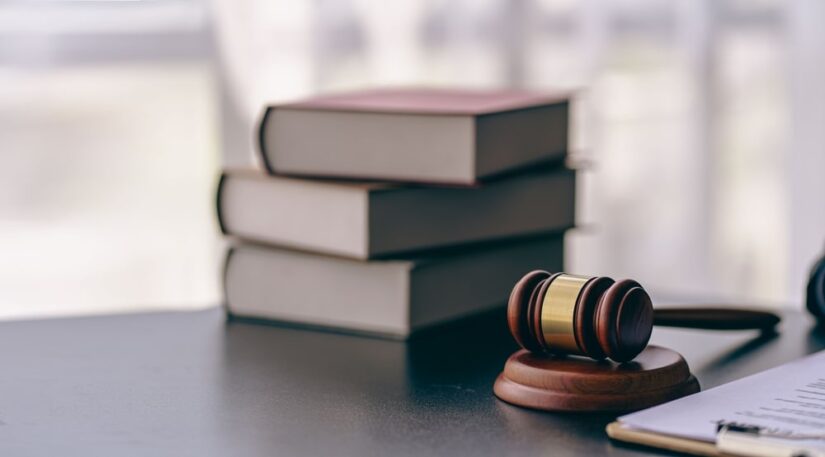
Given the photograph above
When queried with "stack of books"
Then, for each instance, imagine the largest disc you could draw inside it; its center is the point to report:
(388, 211)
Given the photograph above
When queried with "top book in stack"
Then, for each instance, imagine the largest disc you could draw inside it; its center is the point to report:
(439, 136)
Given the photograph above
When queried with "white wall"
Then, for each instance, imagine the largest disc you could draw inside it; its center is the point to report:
(701, 121)
(700, 118)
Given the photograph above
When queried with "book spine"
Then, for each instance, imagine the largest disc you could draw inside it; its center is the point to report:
(218, 199)
(262, 141)
(227, 310)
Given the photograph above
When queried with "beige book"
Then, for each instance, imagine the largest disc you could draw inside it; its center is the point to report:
(418, 135)
(383, 297)
(377, 220)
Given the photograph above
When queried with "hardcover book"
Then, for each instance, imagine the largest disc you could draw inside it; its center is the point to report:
(373, 220)
(415, 135)
(383, 297)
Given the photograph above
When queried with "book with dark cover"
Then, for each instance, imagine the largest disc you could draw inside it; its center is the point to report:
(415, 135)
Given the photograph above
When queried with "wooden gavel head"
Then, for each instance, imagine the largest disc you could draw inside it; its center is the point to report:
(595, 317)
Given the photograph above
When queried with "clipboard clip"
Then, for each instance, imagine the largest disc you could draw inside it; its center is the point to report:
(746, 440)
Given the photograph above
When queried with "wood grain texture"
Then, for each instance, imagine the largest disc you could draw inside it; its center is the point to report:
(634, 324)
(550, 383)
(586, 316)
(518, 309)
(607, 317)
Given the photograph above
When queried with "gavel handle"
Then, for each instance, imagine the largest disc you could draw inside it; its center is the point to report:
(715, 318)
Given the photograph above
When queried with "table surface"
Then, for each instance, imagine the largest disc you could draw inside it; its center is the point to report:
(193, 384)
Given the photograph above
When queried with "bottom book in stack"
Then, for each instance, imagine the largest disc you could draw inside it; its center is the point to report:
(382, 297)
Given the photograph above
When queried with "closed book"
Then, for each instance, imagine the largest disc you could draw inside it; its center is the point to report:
(382, 297)
(373, 220)
(419, 135)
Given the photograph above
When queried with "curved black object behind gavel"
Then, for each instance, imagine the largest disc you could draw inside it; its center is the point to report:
(815, 300)
(600, 318)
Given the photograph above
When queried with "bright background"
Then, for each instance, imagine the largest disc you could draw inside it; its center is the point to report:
(702, 121)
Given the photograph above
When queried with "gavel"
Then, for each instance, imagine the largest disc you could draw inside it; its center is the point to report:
(600, 318)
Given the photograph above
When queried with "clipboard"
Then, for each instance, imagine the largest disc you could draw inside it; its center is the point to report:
(773, 413)
(731, 440)
(620, 432)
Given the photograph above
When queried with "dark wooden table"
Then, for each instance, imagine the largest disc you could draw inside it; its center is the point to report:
(178, 384)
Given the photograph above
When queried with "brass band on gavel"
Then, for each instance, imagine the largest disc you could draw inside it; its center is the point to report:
(558, 313)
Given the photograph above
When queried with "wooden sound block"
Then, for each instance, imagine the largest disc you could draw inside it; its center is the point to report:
(551, 383)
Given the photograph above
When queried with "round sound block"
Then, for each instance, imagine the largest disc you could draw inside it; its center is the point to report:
(551, 383)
